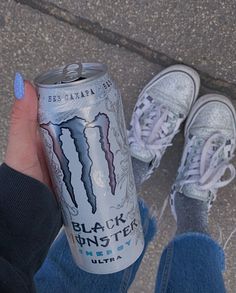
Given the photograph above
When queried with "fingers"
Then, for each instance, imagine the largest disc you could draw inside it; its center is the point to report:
(22, 147)
(24, 150)
(24, 114)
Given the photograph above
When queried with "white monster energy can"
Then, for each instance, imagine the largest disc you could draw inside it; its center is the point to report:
(83, 130)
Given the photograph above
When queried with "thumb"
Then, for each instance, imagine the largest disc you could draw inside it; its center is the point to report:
(22, 140)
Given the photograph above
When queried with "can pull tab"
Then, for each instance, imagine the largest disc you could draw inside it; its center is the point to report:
(72, 72)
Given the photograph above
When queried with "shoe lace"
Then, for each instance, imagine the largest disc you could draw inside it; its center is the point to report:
(209, 163)
(156, 133)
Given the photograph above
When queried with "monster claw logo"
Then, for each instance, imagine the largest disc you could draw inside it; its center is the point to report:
(77, 127)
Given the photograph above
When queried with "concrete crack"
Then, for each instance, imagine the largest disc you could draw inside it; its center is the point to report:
(94, 28)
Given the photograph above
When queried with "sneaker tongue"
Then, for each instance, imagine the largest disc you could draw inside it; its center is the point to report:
(192, 191)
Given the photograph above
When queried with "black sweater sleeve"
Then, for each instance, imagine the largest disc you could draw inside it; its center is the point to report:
(30, 219)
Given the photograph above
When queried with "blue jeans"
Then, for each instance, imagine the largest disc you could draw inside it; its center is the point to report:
(191, 262)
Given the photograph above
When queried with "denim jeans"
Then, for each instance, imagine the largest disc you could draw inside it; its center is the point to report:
(191, 262)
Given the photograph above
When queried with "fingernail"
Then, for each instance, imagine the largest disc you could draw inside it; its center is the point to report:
(19, 86)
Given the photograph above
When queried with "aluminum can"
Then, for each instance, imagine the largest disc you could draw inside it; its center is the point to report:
(84, 136)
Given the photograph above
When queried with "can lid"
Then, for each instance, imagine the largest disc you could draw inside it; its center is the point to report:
(70, 74)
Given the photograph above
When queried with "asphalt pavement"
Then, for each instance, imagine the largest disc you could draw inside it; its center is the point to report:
(136, 39)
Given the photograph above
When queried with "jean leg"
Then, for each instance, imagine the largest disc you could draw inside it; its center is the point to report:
(191, 263)
(60, 274)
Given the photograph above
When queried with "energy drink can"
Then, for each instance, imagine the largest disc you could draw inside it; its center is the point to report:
(84, 135)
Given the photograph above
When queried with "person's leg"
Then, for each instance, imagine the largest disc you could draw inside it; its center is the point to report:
(192, 261)
(60, 274)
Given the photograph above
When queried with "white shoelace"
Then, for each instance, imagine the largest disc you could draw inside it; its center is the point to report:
(157, 132)
(207, 167)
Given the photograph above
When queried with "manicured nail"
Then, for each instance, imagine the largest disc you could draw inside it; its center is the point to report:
(19, 86)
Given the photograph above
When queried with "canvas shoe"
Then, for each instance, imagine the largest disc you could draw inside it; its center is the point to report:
(210, 134)
(161, 107)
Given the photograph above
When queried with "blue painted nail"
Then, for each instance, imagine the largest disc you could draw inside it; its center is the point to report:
(19, 86)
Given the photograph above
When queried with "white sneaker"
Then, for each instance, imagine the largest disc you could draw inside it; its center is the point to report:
(210, 134)
(162, 106)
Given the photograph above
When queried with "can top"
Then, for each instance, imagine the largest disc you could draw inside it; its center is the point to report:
(70, 75)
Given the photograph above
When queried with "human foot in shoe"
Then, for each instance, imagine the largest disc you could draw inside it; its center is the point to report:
(161, 107)
(210, 134)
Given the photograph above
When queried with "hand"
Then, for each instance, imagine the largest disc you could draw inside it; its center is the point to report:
(24, 150)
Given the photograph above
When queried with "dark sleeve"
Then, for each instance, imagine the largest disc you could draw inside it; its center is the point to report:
(30, 219)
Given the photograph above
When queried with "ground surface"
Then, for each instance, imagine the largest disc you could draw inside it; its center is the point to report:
(136, 39)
